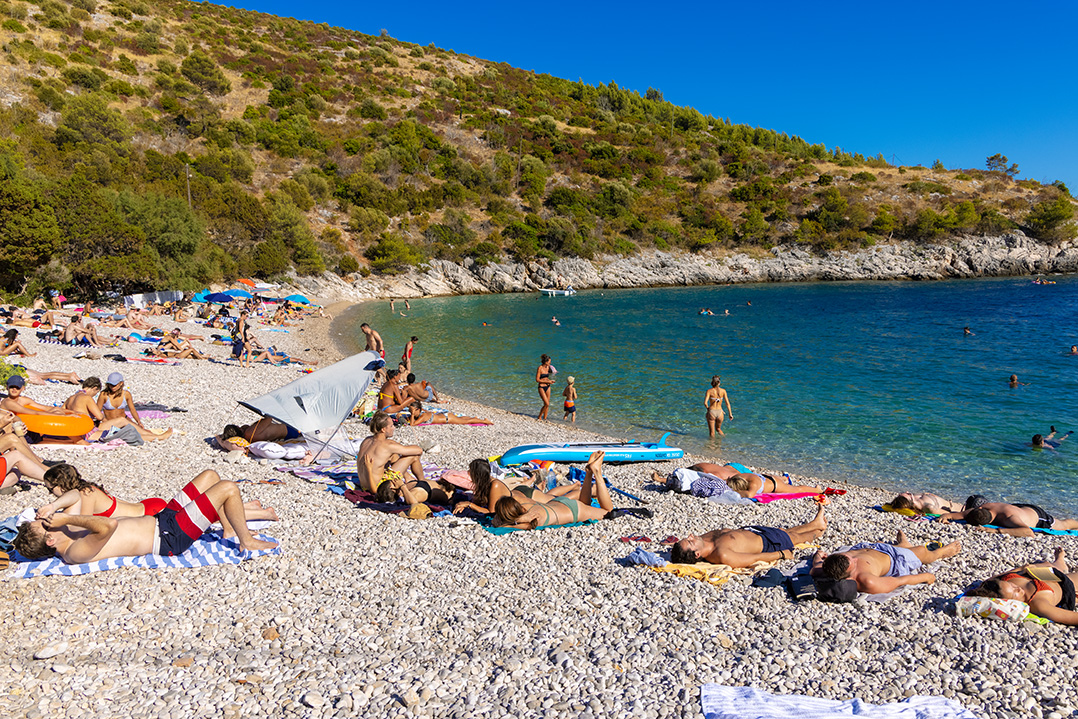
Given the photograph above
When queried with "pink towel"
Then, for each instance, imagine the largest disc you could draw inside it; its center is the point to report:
(458, 478)
(765, 498)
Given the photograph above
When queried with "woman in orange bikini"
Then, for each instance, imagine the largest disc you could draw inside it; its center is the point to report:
(1047, 588)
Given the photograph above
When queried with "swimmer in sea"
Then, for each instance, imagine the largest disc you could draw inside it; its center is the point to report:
(966, 331)
(1013, 382)
(1042, 442)
(1074, 350)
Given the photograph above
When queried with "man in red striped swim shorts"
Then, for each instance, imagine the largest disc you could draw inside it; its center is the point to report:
(79, 538)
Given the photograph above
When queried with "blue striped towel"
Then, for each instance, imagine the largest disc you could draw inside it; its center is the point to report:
(719, 702)
(210, 549)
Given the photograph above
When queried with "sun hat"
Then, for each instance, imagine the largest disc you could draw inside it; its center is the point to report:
(570, 379)
(114, 378)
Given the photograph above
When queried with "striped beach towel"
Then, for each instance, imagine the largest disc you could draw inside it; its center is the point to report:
(721, 702)
(209, 550)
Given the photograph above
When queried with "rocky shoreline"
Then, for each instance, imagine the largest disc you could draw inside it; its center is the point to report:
(372, 615)
(1008, 255)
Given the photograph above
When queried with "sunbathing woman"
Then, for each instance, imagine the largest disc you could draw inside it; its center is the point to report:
(487, 491)
(750, 484)
(416, 491)
(77, 496)
(1047, 588)
(10, 345)
(441, 416)
(86, 402)
(172, 346)
(925, 503)
(560, 510)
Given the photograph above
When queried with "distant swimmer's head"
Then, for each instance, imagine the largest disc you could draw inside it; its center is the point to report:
(1038, 440)
(979, 517)
(1074, 349)
(1013, 378)
(715, 381)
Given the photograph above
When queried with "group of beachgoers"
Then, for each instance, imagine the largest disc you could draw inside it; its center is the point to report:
(544, 380)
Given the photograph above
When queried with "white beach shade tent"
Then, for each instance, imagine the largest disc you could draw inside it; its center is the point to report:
(318, 403)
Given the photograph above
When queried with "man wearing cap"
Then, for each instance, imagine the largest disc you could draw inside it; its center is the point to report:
(875, 568)
(17, 403)
(744, 547)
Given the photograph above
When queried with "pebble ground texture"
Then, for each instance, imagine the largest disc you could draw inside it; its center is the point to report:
(371, 615)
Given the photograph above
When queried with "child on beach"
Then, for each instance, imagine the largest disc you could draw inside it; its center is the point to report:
(570, 399)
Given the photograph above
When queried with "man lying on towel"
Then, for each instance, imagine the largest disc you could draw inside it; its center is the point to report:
(78, 538)
(875, 568)
(1018, 520)
(744, 547)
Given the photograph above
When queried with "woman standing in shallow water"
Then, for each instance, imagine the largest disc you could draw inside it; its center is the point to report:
(713, 400)
(544, 378)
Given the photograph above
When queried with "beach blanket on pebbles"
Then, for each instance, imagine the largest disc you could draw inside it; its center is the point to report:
(209, 550)
(720, 702)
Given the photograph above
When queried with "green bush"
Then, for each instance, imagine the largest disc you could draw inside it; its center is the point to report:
(347, 265)
(926, 187)
(89, 78)
(367, 220)
(963, 176)
(372, 110)
(391, 255)
(1051, 219)
(203, 72)
(13, 25)
(863, 177)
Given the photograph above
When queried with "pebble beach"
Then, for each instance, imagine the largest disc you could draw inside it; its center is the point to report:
(367, 614)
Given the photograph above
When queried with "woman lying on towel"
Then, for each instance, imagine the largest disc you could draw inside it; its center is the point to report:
(441, 416)
(561, 510)
(1047, 588)
(393, 488)
(77, 496)
(750, 484)
(488, 491)
(925, 503)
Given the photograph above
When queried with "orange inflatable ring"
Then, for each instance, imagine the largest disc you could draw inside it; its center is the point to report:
(58, 425)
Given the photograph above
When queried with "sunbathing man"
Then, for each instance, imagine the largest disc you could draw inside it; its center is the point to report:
(744, 547)
(510, 512)
(390, 459)
(1049, 592)
(1017, 520)
(876, 568)
(266, 429)
(924, 503)
(78, 538)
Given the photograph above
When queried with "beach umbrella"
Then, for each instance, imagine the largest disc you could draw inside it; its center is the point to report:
(218, 297)
(200, 296)
(249, 283)
(298, 298)
(238, 293)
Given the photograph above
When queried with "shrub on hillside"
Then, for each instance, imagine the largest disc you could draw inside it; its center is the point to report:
(203, 72)
(1051, 219)
(391, 255)
(926, 187)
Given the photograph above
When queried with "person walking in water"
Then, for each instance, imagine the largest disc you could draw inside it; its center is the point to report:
(570, 400)
(544, 377)
(374, 340)
(713, 402)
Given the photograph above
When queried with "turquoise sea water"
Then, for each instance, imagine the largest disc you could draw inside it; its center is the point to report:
(869, 382)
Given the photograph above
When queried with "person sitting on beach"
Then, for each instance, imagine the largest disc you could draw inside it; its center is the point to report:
(79, 538)
(388, 458)
(1042, 442)
(77, 331)
(171, 345)
(19, 403)
(11, 345)
(744, 547)
(12, 437)
(180, 312)
(1047, 587)
(440, 416)
(421, 390)
(924, 503)
(509, 512)
(416, 491)
(75, 495)
(390, 397)
(14, 465)
(1017, 520)
(876, 567)
(86, 402)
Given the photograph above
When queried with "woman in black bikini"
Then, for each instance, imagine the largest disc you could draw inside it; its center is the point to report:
(1050, 595)
(543, 378)
(560, 510)
(418, 491)
(488, 491)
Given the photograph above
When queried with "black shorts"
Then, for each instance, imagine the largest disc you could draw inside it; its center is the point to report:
(171, 540)
(775, 540)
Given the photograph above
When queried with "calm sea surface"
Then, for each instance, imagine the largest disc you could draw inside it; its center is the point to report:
(869, 382)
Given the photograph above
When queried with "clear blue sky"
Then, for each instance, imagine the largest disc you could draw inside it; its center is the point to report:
(958, 81)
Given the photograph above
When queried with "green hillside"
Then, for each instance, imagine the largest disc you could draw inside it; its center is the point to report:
(316, 147)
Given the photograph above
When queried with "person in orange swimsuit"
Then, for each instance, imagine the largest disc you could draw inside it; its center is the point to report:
(1048, 589)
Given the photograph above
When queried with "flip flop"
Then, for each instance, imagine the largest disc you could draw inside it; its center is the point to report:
(635, 538)
(832, 491)
(669, 540)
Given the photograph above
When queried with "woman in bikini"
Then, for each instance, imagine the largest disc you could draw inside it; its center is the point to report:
(75, 495)
(10, 345)
(509, 512)
(713, 400)
(86, 401)
(925, 503)
(417, 491)
(544, 378)
(748, 484)
(1047, 588)
(488, 491)
(443, 416)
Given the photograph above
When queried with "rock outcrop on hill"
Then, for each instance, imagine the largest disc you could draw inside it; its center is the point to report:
(1008, 255)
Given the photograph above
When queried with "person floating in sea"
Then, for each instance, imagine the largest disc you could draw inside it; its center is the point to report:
(392, 305)
(1041, 442)
(713, 400)
(554, 319)
(407, 306)
(544, 377)
(1013, 382)
(374, 340)
(570, 399)
(967, 331)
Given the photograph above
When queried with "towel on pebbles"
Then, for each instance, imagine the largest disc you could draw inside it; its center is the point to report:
(720, 702)
(210, 549)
